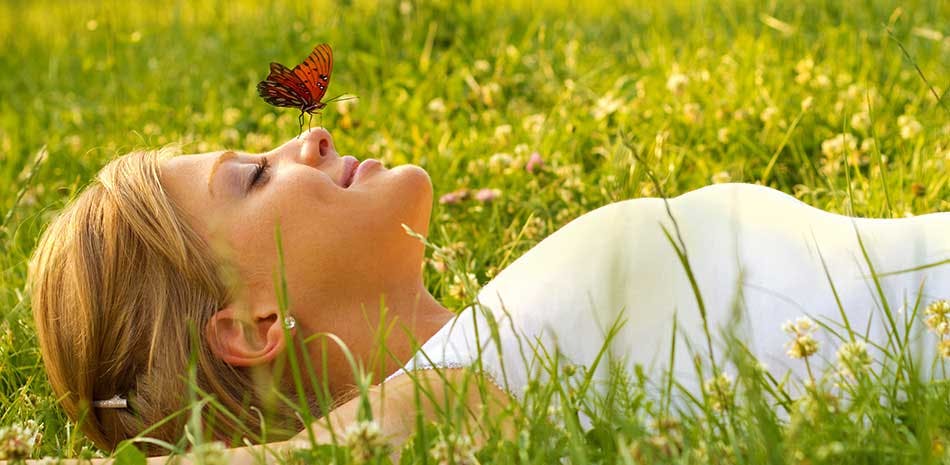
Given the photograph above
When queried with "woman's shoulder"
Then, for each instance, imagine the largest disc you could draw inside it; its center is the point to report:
(731, 194)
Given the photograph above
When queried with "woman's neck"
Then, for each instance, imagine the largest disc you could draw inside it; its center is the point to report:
(414, 317)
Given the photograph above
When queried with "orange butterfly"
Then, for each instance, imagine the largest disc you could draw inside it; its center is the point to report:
(302, 87)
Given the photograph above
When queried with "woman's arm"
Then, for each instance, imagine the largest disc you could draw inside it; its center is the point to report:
(394, 405)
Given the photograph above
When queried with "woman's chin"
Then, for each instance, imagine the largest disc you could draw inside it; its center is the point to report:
(416, 180)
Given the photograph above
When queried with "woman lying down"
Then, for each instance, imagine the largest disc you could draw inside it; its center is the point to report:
(167, 259)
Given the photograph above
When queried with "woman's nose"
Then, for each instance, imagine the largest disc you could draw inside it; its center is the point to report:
(317, 147)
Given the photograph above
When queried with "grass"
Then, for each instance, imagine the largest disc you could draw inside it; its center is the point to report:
(842, 104)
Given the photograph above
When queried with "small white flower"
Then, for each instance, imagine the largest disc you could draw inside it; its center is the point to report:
(502, 132)
(365, 441)
(499, 161)
(723, 135)
(853, 358)
(937, 317)
(453, 450)
(721, 177)
(460, 285)
(18, 440)
(437, 105)
(803, 344)
(769, 116)
(677, 83)
(944, 348)
(606, 106)
(209, 453)
(860, 121)
(839, 145)
(821, 81)
(720, 391)
(909, 126)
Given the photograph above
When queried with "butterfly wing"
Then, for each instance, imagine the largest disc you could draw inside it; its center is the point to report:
(314, 73)
(284, 76)
(283, 88)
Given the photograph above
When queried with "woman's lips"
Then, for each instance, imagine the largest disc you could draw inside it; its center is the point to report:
(363, 167)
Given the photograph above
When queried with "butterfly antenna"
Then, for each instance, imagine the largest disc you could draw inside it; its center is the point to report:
(341, 98)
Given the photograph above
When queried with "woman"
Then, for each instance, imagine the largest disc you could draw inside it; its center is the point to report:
(161, 245)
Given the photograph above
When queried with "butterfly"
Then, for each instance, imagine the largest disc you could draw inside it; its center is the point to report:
(302, 87)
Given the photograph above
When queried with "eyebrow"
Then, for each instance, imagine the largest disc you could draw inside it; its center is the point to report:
(225, 156)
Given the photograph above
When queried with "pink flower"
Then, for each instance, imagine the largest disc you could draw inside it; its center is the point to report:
(534, 163)
(487, 194)
(454, 197)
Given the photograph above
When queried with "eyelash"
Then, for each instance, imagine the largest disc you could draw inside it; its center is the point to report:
(262, 167)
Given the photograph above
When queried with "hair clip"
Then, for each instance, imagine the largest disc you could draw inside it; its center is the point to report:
(116, 401)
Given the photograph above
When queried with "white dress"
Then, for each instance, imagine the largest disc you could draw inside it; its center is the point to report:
(756, 253)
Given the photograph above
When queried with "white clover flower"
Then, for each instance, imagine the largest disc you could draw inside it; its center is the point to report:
(436, 105)
(460, 283)
(499, 161)
(853, 358)
(861, 121)
(803, 344)
(720, 391)
(209, 453)
(502, 132)
(944, 348)
(821, 81)
(937, 317)
(606, 106)
(909, 126)
(18, 440)
(721, 177)
(803, 70)
(769, 116)
(453, 449)
(838, 145)
(533, 123)
(723, 135)
(365, 441)
(804, 324)
(677, 83)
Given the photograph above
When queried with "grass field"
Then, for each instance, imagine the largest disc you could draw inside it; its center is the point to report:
(843, 104)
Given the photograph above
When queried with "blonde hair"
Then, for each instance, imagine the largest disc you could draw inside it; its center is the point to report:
(116, 280)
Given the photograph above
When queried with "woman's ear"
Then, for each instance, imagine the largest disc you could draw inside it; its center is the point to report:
(245, 338)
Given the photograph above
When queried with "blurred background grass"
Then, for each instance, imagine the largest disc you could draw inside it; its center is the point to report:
(815, 98)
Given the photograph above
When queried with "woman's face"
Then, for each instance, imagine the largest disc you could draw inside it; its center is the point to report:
(343, 243)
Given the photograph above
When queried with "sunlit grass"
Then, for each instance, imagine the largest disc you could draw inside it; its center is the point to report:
(813, 98)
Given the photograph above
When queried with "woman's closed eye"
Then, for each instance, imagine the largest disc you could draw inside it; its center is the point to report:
(259, 172)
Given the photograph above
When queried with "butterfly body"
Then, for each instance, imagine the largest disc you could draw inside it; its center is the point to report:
(302, 87)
